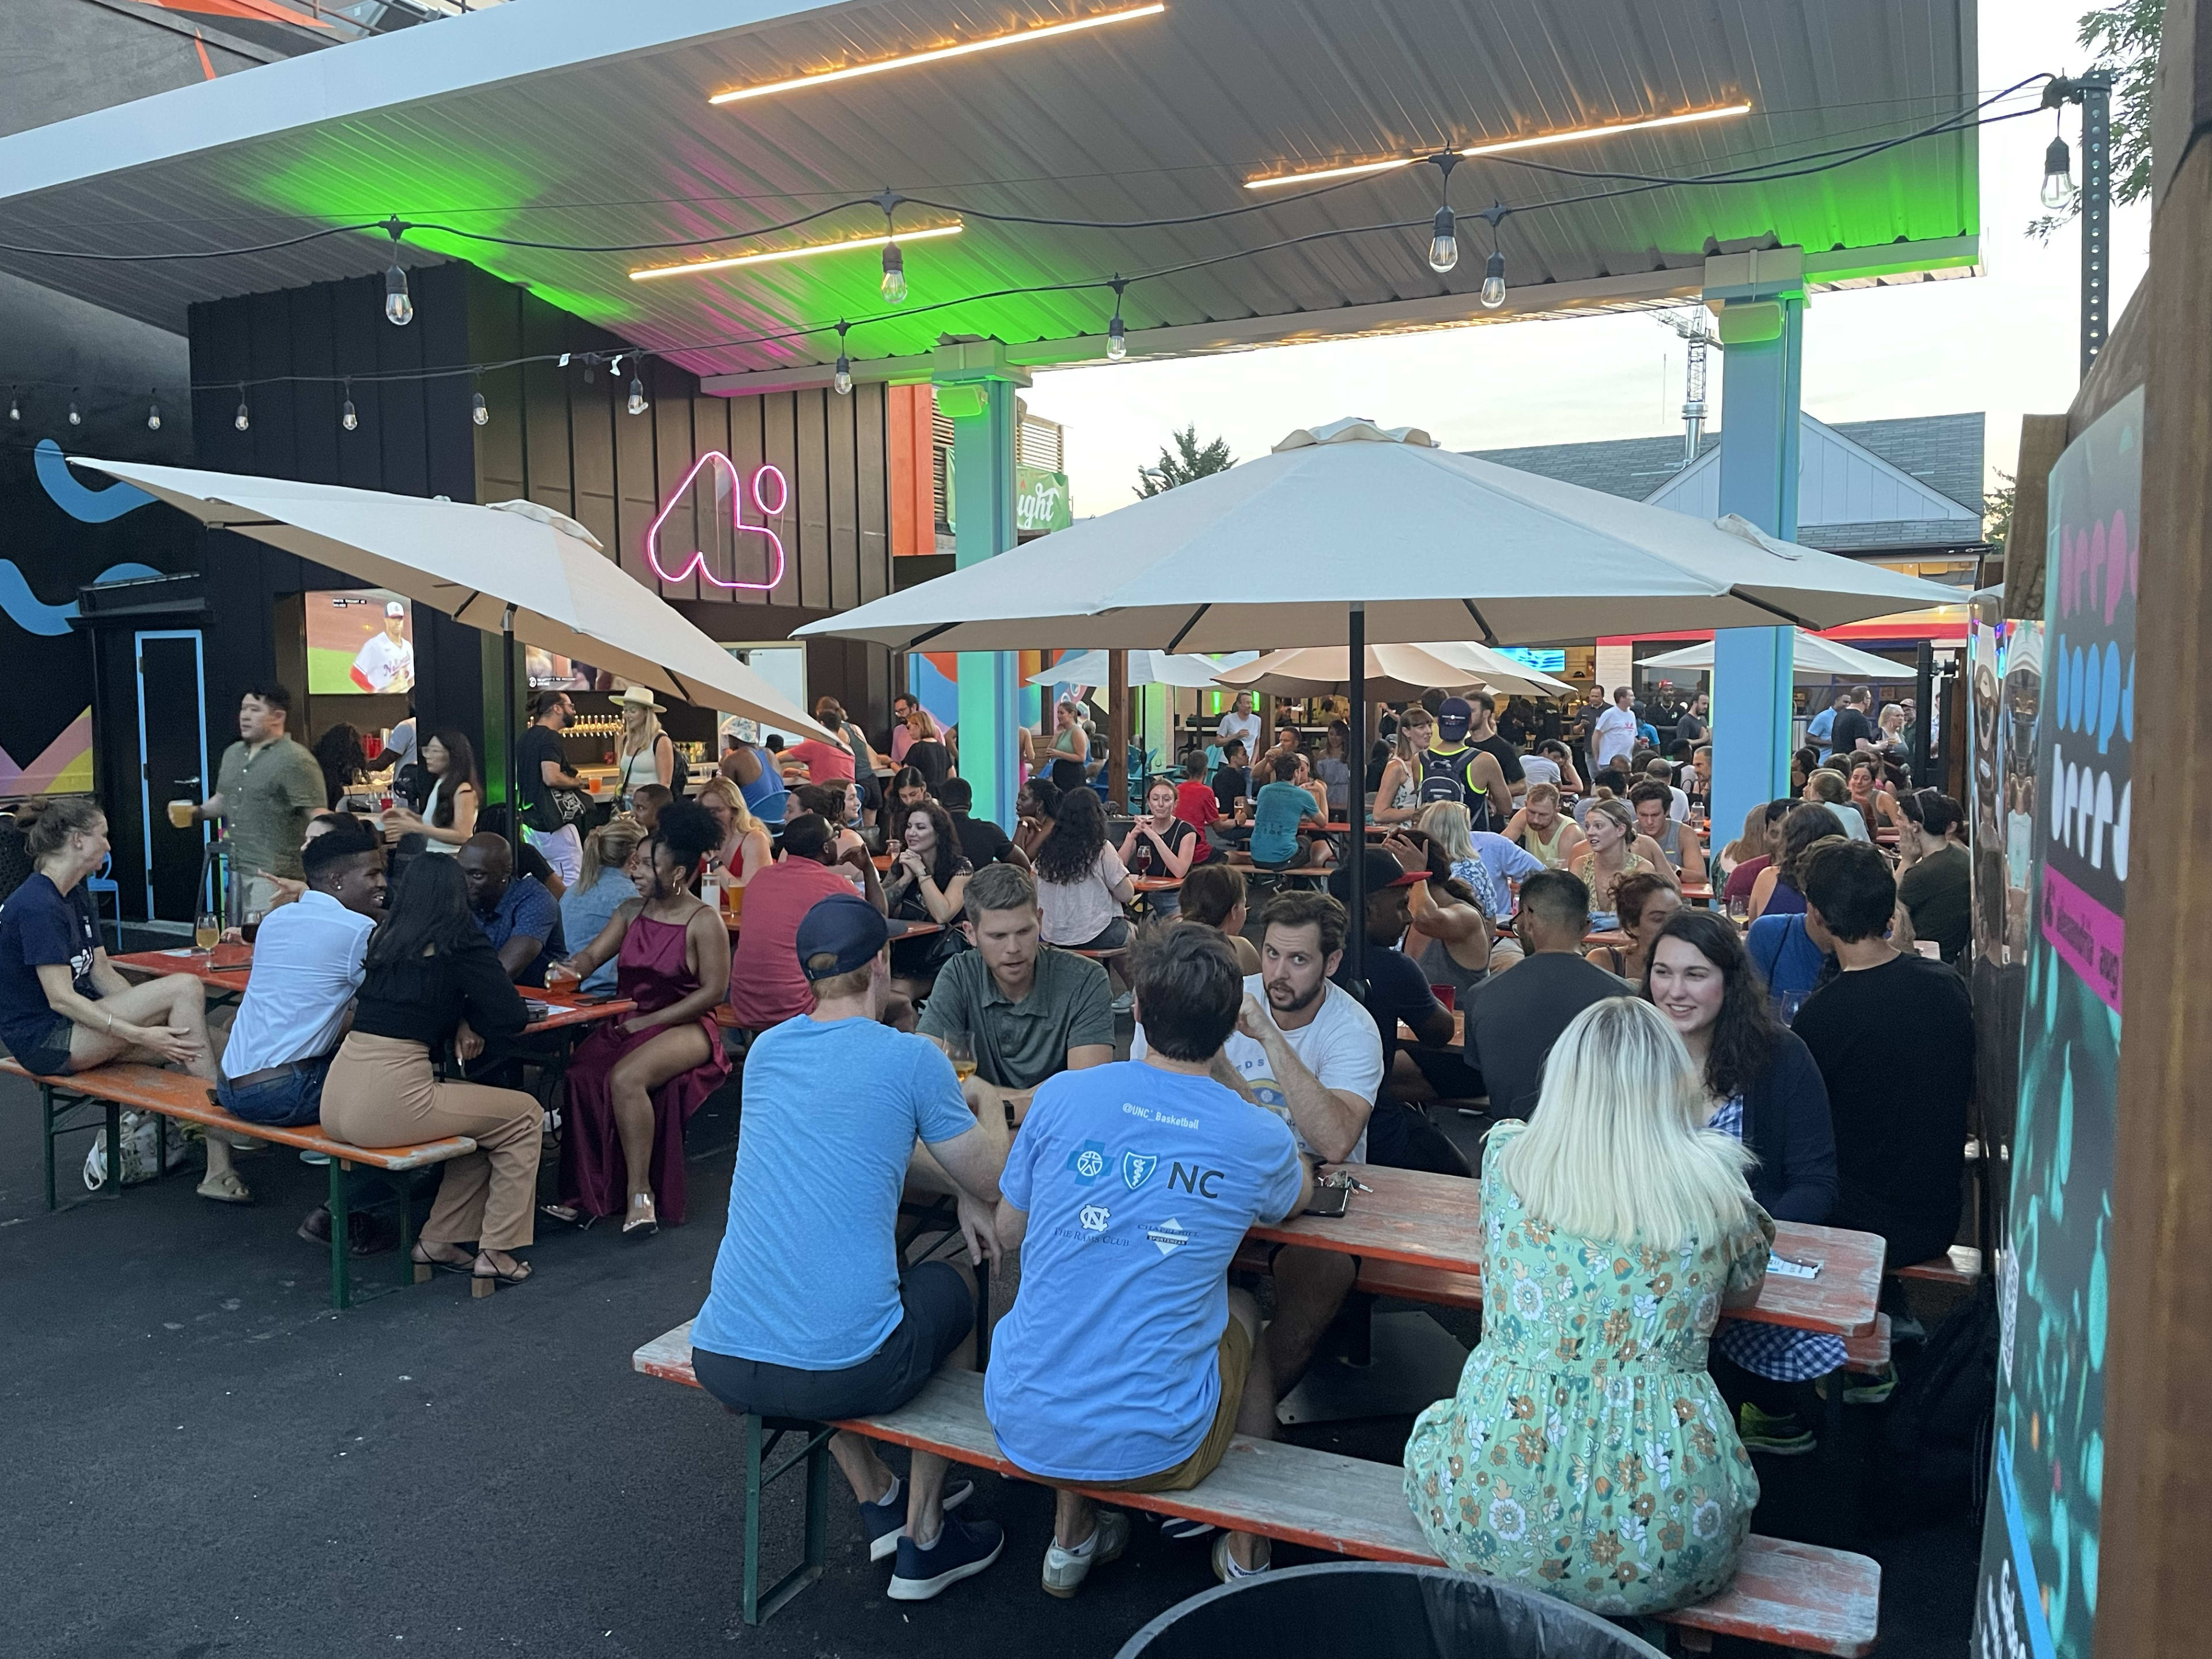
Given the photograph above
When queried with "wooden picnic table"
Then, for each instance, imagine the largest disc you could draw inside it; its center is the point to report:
(228, 967)
(1435, 1221)
(1156, 884)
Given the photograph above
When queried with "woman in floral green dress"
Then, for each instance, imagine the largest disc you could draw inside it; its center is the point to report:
(1587, 1452)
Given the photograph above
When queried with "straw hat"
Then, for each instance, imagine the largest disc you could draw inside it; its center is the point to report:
(639, 696)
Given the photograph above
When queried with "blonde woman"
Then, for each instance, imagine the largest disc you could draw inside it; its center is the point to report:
(1550, 834)
(608, 882)
(746, 844)
(1398, 798)
(646, 754)
(1889, 728)
(1617, 1227)
(1611, 854)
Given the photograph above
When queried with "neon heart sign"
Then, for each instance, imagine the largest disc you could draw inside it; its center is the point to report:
(738, 489)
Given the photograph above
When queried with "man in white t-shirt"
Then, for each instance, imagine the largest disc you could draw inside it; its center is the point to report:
(1239, 722)
(387, 662)
(1613, 738)
(1306, 1050)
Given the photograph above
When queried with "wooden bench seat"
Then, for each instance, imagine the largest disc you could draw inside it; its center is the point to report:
(181, 1096)
(1795, 1595)
(1959, 1266)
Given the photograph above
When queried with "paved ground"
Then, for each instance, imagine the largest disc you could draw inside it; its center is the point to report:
(200, 1459)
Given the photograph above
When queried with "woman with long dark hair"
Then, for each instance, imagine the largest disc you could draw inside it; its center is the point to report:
(927, 883)
(448, 817)
(1082, 882)
(339, 754)
(1762, 1086)
(1034, 807)
(432, 979)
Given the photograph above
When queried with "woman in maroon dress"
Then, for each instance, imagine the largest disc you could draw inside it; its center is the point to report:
(636, 1081)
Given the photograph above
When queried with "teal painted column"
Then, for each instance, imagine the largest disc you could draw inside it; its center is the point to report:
(975, 390)
(1761, 316)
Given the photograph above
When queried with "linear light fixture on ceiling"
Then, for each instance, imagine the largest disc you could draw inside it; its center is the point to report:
(965, 48)
(1273, 181)
(773, 256)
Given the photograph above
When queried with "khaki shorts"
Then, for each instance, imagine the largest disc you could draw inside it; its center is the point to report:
(1234, 1357)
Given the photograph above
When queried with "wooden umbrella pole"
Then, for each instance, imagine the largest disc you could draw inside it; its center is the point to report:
(506, 706)
(1117, 729)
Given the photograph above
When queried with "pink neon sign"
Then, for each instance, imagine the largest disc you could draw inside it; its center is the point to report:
(739, 490)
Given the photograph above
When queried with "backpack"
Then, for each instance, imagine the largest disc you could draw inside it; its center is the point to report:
(1444, 775)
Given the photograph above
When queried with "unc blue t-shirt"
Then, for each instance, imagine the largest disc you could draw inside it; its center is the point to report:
(808, 1273)
(1276, 812)
(1139, 1184)
(40, 925)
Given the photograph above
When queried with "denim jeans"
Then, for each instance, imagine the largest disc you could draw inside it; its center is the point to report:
(287, 1101)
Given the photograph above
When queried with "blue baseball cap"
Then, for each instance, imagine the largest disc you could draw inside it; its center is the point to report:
(1454, 716)
(844, 926)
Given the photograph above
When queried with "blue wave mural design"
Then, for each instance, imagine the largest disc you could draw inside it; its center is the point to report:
(85, 505)
(33, 614)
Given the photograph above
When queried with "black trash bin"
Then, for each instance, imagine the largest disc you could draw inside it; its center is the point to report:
(1334, 1609)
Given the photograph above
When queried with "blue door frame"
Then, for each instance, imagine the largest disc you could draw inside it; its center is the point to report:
(199, 725)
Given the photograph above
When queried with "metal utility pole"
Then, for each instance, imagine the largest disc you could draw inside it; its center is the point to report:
(2093, 93)
(1697, 333)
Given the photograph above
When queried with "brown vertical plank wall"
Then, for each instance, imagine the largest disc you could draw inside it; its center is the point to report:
(872, 476)
(843, 473)
(811, 484)
(2157, 1463)
(682, 533)
(747, 453)
(780, 449)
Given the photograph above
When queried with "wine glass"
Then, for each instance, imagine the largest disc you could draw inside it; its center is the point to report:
(207, 932)
(960, 1049)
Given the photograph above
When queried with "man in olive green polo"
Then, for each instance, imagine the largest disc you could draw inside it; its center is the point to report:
(1030, 1011)
(266, 789)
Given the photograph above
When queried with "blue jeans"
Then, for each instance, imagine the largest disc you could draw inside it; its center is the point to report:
(291, 1099)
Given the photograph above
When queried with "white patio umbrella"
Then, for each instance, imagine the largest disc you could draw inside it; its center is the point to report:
(1145, 668)
(515, 569)
(1813, 658)
(1395, 672)
(1348, 534)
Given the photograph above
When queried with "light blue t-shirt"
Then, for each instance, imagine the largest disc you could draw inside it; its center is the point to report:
(808, 1273)
(1139, 1184)
(585, 913)
(1505, 862)
(1276, 812)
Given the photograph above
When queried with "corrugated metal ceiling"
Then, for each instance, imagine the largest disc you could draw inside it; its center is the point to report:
(1157, 118)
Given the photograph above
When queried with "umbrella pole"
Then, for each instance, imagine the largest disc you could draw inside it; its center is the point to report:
(506, 706)
(1355, 936)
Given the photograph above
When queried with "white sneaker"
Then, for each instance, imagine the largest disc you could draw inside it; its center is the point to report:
(1065, 1570)
(1224, 1564)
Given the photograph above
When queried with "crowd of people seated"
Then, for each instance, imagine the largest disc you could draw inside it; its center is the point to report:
(948, 1026)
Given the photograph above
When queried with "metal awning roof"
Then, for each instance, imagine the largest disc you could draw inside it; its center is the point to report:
(580, 121)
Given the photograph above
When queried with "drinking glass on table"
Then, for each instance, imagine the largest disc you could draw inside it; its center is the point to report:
(1739, 907)
(559, 977)
(207, 932)
(960, 1049)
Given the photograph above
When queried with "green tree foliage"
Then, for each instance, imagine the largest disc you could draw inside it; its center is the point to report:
(2124, 38)
(1188, 459)
(1997, 512)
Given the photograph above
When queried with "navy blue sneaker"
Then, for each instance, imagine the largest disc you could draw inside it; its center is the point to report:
(963, 1548)
(885, 1520)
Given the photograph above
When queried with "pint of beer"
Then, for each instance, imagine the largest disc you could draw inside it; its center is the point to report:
(180, 814)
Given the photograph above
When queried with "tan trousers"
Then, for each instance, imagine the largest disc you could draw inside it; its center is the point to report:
(381, 1092)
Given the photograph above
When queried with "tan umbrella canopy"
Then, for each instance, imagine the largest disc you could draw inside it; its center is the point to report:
(1393, 671)
(515, 567)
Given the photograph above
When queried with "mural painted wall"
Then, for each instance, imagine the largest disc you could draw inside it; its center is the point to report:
(61, 530)
(2038, 1595)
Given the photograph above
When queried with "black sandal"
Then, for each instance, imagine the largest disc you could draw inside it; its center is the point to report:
(581, 1220)
(441, 1264)
(520, 1273)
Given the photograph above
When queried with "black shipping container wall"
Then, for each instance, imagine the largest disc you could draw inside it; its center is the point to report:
(560, 437)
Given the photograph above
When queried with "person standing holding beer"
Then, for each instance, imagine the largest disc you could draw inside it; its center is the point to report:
(266, 789)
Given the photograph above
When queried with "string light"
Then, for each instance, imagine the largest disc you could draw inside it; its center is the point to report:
(152, 413)
(347, 418)
(74, 419)
(1444, 240)
(16, 406)
(843, 379)
(477, 412)
(2057, 176)
(398, 305)
(939, 54)
(1117, 333)
(637, 404)
(1493, 273)
(243, 419)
